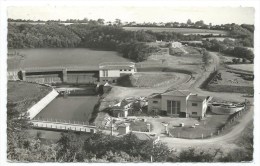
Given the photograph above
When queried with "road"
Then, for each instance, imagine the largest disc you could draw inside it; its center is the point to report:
(223, 141)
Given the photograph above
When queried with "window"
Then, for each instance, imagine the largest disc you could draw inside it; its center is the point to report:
(105, 73)
(121, 70)
(194, 104)
(173, 107)
(194, 113)
(155, 102)
(125, 70)
(129, 70)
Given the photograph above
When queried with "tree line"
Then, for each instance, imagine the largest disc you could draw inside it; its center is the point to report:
(98, 147)
(95, 36)
(233, 48)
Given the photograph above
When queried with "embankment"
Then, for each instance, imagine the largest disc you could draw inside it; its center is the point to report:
(36, 108)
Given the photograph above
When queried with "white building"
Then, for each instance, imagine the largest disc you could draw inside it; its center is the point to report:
(176, 44)
(111, 71)
(180, 103)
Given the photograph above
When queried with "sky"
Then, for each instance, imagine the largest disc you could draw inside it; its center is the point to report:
(214, 15)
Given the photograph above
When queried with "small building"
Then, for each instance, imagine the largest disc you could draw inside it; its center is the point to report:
(121, 109)
(124, 128)
(176, 45)
(178, 103)
(111, 71)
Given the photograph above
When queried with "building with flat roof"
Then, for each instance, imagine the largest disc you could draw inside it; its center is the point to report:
(179, 103)
(111, 71)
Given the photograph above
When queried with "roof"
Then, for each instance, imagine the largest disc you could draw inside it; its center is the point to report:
(121, 104)
(196, 98)
(143, 136)
(177, 93)
(155, 96)
(117, 65)
(124, 125)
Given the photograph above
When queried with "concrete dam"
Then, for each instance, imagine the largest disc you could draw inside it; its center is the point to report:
(71, 75)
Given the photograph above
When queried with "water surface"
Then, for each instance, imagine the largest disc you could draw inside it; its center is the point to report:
(54, 57)
(71, 108)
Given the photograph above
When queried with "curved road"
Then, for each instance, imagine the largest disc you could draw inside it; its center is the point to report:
(226, 141)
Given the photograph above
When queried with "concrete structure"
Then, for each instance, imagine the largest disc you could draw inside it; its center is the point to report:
(121, 109)
(111, 71)
(63, 126)
(80, 75)
(228, 109)
(178, 103)
(176, 44)
(124, 128)
(36, 108)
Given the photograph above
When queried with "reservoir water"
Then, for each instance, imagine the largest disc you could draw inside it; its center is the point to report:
(70, 108)
(54, 57)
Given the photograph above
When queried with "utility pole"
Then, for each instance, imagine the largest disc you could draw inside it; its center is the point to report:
(245, 104)
(152, 152)
(111, 126)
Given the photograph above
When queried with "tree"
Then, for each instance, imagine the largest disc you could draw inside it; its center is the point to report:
(118, 22)
(70, 148)
(191, 155)
(101, 21)
(189, 22)
(205, 58)
(17, 123)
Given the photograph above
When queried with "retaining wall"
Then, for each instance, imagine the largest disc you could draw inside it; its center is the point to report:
(36, 108)
(225, 110)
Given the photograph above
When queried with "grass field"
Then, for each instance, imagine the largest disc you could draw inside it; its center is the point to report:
(227, 81)
(25, 94)
(151, 79)
(230, 78)
(191, 61)
(218, 38)
(18, 91)
(245, 67)
(178, 30)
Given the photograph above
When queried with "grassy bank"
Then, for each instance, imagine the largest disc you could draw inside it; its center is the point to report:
(25, 94)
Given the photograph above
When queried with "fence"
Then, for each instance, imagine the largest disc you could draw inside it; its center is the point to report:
(54, 120)
(202, 135)
(63, 125)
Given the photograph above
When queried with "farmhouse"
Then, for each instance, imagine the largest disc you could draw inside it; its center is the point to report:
(111, 71)
(179, 103)
(176, 44)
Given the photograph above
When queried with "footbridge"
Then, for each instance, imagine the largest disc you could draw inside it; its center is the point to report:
(61, 74)
(63, 126)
